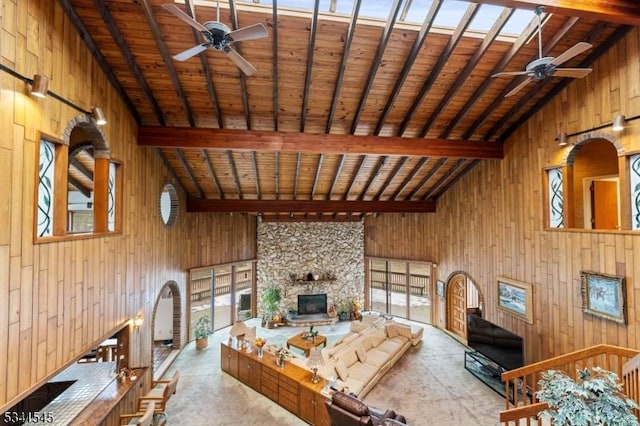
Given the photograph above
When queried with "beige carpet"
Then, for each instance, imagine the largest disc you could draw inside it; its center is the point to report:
(429, 385)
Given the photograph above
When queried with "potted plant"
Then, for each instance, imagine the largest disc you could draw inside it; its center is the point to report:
(202, 331)
(597, 399)
(270, 299)
(343, 311)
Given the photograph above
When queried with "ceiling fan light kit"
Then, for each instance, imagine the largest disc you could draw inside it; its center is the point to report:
(219, 37)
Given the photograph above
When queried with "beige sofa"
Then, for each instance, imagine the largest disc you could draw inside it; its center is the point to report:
(362, 356)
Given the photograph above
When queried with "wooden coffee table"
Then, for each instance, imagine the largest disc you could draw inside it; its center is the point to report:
(299, 342)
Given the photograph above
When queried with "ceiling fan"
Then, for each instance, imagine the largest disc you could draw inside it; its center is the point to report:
(547, 66)
(219, 37)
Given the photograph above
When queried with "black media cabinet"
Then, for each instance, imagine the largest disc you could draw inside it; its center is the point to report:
(489, 372)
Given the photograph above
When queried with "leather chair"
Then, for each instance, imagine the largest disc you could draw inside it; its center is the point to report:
(347, 410)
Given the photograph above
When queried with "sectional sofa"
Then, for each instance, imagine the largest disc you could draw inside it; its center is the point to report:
(358, 359)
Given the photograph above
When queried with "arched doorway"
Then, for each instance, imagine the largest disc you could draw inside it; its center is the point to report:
(166, 327)
(462, 295)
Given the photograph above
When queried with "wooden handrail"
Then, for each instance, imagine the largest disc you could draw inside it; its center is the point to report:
(523, 412)
(522, 382)
(574, 356)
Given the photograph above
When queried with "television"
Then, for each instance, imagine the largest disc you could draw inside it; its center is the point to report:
(499, 345)
(309, 304)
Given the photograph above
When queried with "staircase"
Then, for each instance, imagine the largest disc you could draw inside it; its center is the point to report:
(522, 382)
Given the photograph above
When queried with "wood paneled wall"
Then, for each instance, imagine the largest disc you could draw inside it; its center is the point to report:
(58, 299)
(491, 222)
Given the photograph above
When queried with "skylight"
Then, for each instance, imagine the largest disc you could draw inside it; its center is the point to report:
(415, 11)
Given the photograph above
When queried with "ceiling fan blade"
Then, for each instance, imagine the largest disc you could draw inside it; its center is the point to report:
(183, 56)
(177, 12)
(519, 87)
(510, 73)
(251, 32)
(572, 52)
(240, 62)
(572, 72)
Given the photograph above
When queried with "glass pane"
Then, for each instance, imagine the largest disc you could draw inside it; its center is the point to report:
(556, 199)
(200, 296)
(377, 285)
(244, 279)
(46, 188)
(80, 188)
(634, 178)
(397, 279)
(420, 297)
(111, 199)
(222, 297)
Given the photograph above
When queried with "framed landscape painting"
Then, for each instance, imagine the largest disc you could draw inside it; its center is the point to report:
(516, 298)
(603, 296)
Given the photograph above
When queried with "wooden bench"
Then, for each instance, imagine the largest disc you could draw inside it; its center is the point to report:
(159, 394)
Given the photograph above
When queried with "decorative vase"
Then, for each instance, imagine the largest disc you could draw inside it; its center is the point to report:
(260, 351)
(280, 362)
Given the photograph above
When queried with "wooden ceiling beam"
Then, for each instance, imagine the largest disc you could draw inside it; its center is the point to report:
(408, 64)
(617, 11)
(185, 165)
(242, 76)
(242, 140)
(274, 54)
(212, 172)
(469, 68)
(343, 63)
(308, 206)
(373, 69)
(204, 63)
(500, 66)
(90, 43)
(168, 60)
(434, 73)
(310, 54)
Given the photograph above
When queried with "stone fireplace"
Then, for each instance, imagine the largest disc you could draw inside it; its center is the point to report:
(332, 251)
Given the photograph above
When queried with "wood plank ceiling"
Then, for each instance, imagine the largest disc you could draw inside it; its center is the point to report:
(349, 113)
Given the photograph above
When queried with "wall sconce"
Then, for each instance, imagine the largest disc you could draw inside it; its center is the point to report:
(137, 322)
(39, 86)
(98, 115)
(618, 123)
(562, 139)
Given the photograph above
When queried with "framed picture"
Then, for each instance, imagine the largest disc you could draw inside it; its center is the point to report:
(516, 298)
(603, 296)
(440, 288)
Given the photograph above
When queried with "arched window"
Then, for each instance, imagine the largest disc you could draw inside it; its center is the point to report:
(78, 185)
(589, 190)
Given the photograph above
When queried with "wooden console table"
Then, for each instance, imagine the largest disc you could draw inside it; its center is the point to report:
(289, 387)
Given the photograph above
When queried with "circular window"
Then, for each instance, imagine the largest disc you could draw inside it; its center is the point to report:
(169, 204)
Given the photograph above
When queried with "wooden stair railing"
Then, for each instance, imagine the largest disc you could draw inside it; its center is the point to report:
(522, 383)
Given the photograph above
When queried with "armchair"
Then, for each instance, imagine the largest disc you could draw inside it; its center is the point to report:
(347, 410)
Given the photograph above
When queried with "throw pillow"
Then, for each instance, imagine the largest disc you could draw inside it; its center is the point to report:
(341, 369)
(362, 354)
(392, 331)
(357, 326)
(404, 330)
(378, 337)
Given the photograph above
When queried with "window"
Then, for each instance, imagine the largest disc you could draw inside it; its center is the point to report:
(587, 192)
(78, 187)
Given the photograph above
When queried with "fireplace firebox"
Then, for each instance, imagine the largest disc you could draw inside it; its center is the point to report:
(309, 304)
